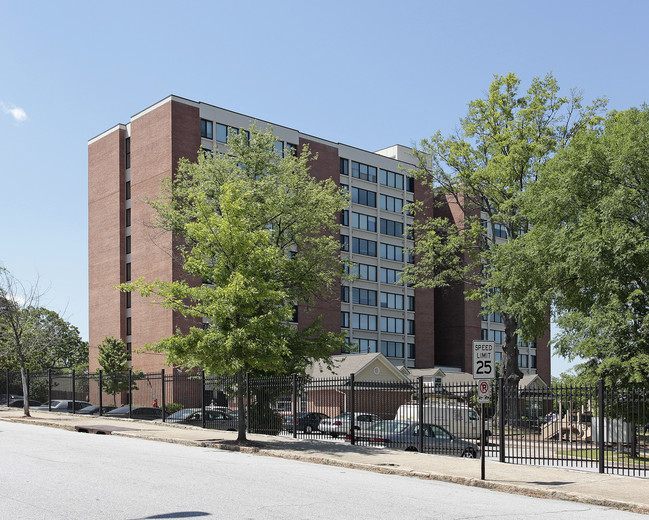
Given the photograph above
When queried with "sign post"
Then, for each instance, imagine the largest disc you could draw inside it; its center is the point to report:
(484, 370)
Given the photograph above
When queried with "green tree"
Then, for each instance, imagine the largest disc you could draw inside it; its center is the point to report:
(113, 360)
(263, 234)
(590, 211)
(477, 178)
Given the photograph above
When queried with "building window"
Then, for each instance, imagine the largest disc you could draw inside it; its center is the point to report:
(390, 275)
(363, 321)
(344, 319)
(366, 346)
(496, 317)
(365, 222)
(363, 247)
(221, 133)
(500, 231)
(128, 245)
(392, 349)
(127, 148)
(364, 197)
(344, 243)
(129, 351)
(394, 180)
(344, 293)
(128, 217)
(364, 297)
(206, 129)
(392, 204)
(390, 252)
(532, 361)
(411, 303)
(411, 351)
(410, 184)
(291, 149)
(128, 326)
(499, 357)
(344, 217)
(128, 272)
(391, 227)
(411, 327)
(295, 314)
(363, 171)
(484, 335)
(128, 190)
(128, 300)
(344, 166)
(279, 148)
(392, 301)
(364, 272)
(522, 360)
(394, 325)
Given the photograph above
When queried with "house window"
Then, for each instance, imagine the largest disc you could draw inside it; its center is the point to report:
(365, 222)
(344, 166)
(392, 204)
(363, 321)
(364, 197)
(363, 247)
(127, 148)
(363, 296)
(394, 180)
(363, 171)
(206, 129)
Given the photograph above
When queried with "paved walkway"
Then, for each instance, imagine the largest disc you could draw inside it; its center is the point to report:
(628, 493)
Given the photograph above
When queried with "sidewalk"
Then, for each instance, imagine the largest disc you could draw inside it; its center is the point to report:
(628, 493)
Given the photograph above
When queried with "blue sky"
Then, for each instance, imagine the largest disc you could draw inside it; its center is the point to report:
(366, 73)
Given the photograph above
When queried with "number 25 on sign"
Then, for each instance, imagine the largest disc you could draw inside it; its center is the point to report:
(484, 356)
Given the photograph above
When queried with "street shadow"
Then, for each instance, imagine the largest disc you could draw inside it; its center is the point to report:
(179, 514)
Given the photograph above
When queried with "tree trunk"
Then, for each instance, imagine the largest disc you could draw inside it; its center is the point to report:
(241, 408)
(510, 372)
(23, 376)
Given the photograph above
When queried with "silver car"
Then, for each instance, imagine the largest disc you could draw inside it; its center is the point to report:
(341, 424)
(63, 405)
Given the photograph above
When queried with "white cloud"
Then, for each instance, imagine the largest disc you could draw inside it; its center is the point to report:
(16, 112)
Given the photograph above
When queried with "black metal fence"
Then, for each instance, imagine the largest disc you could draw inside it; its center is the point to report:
(592, 427)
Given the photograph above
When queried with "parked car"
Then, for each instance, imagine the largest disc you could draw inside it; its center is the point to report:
(19, 403)
(144, 413)
(63, 405)
(341, 424)
(3, 398)
(403, 435)
(93, 409)
(215, 419)
(308, 422)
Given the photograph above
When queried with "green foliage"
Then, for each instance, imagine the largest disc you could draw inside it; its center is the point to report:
(590, 215)
(478, 178)
(113, 360)
(173, 407)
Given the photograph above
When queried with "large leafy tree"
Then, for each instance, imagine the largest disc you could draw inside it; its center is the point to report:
(113, 361)
(32, 337)
(262, 234)
(478, 177)
(590, 211)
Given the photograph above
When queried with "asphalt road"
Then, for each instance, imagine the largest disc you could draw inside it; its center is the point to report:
(48, 473)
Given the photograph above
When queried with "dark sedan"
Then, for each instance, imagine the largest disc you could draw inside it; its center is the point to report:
(93, 409)
(144, 413)
(19, 403)
(402, 435)
(213, 419)
(306, 422)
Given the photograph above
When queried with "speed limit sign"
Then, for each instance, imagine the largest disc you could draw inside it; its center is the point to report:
(484, 359)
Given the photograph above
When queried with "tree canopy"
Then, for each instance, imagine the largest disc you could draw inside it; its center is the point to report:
(478, 177)
(590, 210)
(263, 235)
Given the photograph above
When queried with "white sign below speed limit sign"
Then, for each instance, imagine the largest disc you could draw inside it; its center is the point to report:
(484, 391)
(484, 359)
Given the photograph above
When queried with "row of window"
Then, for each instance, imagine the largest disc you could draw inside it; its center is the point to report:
(368, 198)
(369, 322)
(360, 296)
(524, 361)
(388, 348)
(363, 246)
(368, 223)
(494, 317)
(368, 173)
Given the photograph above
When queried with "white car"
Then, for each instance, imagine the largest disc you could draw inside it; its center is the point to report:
(63, 405)
(341, 424)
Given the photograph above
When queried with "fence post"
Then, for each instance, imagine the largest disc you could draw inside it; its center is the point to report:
(101, 392)
(501, 418)
(202, 398)
(130, 393)
(420, 413)
(248, 419)
(49, 389)
(294, 399)
(164, 396)
(7, 386)
(27, 378)
(352, 405)
(74, 393)
(600, 420)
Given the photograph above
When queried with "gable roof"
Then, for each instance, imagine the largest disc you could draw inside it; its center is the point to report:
(358, 364)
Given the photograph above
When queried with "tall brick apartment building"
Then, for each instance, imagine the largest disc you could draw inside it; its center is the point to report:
(412, 327)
